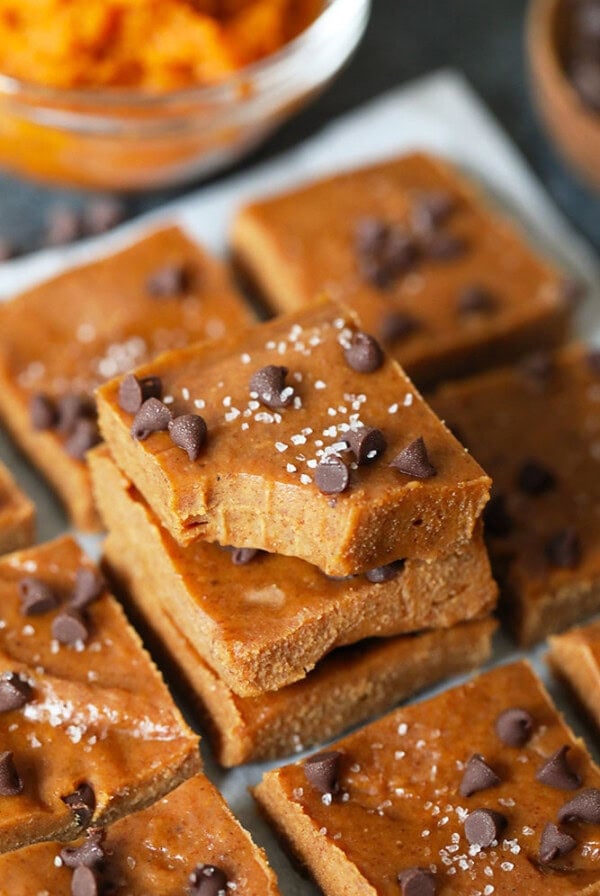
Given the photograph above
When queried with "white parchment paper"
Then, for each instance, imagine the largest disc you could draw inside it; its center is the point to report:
(439, 113)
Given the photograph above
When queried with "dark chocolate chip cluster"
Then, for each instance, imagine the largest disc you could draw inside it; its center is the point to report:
(71, 416)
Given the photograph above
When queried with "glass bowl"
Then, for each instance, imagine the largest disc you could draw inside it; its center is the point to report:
(128, 140)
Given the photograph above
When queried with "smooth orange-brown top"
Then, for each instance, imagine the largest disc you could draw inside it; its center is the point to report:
(155, 851)
(99, 711)
(538, 436)
(73, 332)
(94, 322)
(311, 239)
(140, 43)
(399, 804)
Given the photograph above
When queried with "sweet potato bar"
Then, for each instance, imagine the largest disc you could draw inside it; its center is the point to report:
(88, 730)
(448, 285)
(535, 428)
(298, 437)
(59, 340)
(482, 789)
(263, 621)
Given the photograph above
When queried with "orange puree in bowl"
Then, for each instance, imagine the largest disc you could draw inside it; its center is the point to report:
(156, 45)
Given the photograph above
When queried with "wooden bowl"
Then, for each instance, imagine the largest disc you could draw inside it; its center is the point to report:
(574, 128)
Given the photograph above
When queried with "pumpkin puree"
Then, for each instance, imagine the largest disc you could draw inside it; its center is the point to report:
(156, 45)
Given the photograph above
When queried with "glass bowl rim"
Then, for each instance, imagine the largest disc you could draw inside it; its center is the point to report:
(233, 85)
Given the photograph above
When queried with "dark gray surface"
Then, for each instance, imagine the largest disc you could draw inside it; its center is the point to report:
(405, 38)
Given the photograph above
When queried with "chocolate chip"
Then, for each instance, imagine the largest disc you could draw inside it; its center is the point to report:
(586, 19)
(556, 771)
(69, 628)
(593, 361)
(242, 556)
(585, 807)
(431, 210)
(514, 726)
(332, 476)
(370, 234)
(82, 803)
(364, 353)
(572, 291)
(102, 214)
(533, 478)
(269, 385)
(414, 461)
(133, 392)
(189, 432)
(474, 299)
(396, 326)
(36, 597)
(416, 882)
(384, 251)
(85, 882)
(322, 771)
(90, 853)
(385, 573)
(563, 549)
(168, 281)
(367, 443)
(208, 880)
(477, 776)
(537, 368)
(497, 520)
(585, 75)
(86, 435)
(63, 226)
(555, 843)
(7, 249)
(484, 826)
(10, 782)
(89, 585)
(43, 412)
(14, 692)
(72, 409)
(153, 416)
(443, 246)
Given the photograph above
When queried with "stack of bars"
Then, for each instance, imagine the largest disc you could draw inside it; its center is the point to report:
(300, 538)
(353, 512)
(296, 533)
